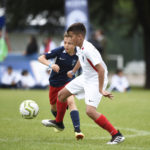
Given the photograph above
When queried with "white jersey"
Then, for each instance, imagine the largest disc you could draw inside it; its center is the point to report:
(8, 79)
(27, 81)
(89, 57)
(87, 85)
(120, 83)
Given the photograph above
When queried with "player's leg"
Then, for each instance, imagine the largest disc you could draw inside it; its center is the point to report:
(92, 99)
(71, 88)
(102, 121)
(74, 114)
(61, 109)
(54, 110)
(53, 92)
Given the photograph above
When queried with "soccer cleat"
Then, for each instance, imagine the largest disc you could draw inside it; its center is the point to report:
(116, 139)
(53, 123)
(45, 122)
(79, 135)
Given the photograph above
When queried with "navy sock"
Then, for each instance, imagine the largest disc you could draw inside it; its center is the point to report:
(75, 120)
(54, 113)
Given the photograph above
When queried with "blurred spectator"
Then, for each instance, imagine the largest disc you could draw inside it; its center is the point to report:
(44, 82)
(4, 45)
(100, 37)
(32, 47)
(119, 82)
(8, 79)
(95, 42)
(47, 45)
(26, 80)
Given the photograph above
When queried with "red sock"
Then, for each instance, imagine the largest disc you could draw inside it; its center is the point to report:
(105, 124)
(61, 109)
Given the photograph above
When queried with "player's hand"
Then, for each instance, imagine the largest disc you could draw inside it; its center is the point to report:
(107, 94)
(70, 74)
(55, 67)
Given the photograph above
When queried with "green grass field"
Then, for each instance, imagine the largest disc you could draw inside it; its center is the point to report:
(129, 112)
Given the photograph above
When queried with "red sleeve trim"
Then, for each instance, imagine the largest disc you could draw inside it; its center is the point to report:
(92, 65)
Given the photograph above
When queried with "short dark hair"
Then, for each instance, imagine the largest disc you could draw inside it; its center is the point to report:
(24, 72)
(9, 67)
(66, 35)
(118, 71)
(77, 28)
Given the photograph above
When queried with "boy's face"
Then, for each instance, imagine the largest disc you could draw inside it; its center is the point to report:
(9, 70)
(74, 38)
(68, 44)
(120, 74)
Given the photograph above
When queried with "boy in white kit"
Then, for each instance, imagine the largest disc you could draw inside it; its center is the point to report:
(88, 82)
(92, 83)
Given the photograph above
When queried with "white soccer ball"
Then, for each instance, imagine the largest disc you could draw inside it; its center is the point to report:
(29, 109)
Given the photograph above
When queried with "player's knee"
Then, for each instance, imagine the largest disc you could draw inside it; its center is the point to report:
(63, 95)
(72, 105)
(89, 113)
(60, 96)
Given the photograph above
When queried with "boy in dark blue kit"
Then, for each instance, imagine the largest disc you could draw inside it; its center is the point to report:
(66, 59)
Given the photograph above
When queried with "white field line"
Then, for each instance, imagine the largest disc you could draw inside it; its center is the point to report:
(134, 133)
(58, 142)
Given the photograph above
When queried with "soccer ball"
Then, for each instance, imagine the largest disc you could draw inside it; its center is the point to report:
(29, 109)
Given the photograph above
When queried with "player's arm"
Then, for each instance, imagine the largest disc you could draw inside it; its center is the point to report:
(42, 59)
(71, 73)
(101, 72)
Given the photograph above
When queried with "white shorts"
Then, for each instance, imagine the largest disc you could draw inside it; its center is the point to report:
(86, 90)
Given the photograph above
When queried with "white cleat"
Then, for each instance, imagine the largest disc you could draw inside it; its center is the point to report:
(46, 122)
(79, 135)
(52, 123)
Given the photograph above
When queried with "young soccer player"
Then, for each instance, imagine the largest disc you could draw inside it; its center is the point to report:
(92, 82)
(66, 59)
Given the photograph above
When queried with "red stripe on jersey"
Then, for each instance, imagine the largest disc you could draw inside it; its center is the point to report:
(92, 65)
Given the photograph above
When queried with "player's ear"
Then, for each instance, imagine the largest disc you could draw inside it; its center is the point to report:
(80, 36)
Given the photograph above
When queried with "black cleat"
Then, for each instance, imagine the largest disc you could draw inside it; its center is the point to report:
(116, 139)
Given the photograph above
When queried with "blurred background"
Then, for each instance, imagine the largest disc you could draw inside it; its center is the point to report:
(119, 29)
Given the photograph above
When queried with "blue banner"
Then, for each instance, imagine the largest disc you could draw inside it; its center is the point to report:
(77, 11)
(2, 17)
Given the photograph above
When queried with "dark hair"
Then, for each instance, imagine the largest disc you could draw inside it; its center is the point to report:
(24, 72)
(9, 67)
(118, 71)
(66, 35)
(77, 28)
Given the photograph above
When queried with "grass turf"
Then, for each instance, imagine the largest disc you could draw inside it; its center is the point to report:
(128, 112)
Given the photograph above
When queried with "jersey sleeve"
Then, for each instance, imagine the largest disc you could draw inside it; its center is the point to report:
(93, 55)
(54, 53)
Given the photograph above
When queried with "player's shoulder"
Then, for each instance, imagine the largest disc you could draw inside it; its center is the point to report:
(60, 49)
(57, 50)
(88, 45)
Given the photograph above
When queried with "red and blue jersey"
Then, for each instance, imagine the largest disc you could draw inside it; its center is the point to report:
(65, 62)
